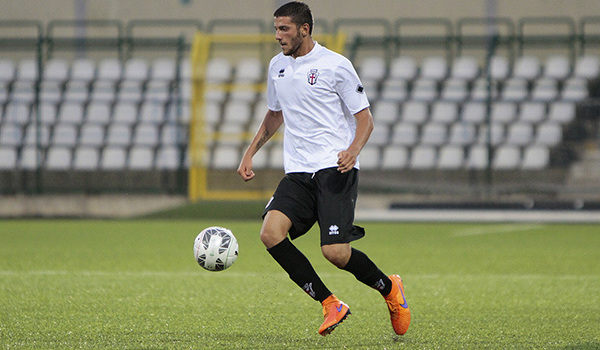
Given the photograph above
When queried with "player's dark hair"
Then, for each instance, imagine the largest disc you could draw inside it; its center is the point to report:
(298, 12)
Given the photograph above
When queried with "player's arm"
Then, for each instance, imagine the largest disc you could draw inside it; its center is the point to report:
(271, 123)
(364, 127)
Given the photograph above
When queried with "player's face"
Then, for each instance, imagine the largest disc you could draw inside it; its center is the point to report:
(289, 36)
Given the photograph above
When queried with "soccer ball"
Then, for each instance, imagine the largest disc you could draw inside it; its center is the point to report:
(215, 248)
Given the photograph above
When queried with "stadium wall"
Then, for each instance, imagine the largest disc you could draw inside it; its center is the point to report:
(206, 10)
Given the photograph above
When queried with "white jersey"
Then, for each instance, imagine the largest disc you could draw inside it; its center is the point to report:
(319, 93)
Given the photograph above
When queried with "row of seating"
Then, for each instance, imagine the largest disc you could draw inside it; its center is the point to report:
(90, 158)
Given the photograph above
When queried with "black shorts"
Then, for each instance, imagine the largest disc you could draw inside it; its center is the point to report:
(327, 197)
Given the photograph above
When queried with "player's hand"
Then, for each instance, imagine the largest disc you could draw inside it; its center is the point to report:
(346, 161)
(245, 170)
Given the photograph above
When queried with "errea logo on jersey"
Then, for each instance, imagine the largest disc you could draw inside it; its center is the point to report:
(313, 75)
(334, 230)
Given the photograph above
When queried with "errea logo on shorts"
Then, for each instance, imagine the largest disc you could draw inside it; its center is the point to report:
(334, 230)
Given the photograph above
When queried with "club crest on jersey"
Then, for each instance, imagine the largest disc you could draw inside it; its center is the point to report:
(313, 75)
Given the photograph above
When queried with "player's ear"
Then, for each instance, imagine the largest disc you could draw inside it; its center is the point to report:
(305, 29)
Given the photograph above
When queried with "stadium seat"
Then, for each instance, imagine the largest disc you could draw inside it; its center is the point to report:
(261, 159)
(146, 134)
(237, 112)
(415, 112)
(157, 91)
(465, 68)
(162, 69)
(118, 135)
(30, 158)
(473, 112)
(562, 112)
(548, 134)
(47, 113)
(172, 135)
(35, 135)
(369, 157)
(380, 135)
(515, 90)
(27, 70)
(18, 113)
(91, 135)
(225, 157)
(71, 113)
(535, 157)
(103, 91)
(50, 91)
(56, 70)
(406, 134)
(58, 158)
(532, 112)
(276, 157)
(3, 94)
(152, 112)
(587, 67)
(506, 157)
(557, 67)
(499, 68)
(480, 91)
(23, 91)
(434, 68)
(76, 91)
(503, 112)
(83, 70)
(8, 158)
(86, 158)
(167, 158)
(424, 89)
(451, 157)
(130, 91)
(386, 112)
(394, 157)
(248, 70)
(136, 69)
(110, 70)
(394, 89)
(64, 135)
(98, 112)
(7, 70)
(527, 67)
(477, 157)
(10, 135)
(218, 70)
(113, 158)
(495, 134)
(140, 158)
(462, 133)
(433, 134)
(545, 90)
(372, 68)
(125, 112)
(423, 157)
(575, 89)
(519, 134)
(403, 67)
(454, 89)
(444, 112)
(230, 134)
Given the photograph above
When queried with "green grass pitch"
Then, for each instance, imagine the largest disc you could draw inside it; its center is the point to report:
(134, 284)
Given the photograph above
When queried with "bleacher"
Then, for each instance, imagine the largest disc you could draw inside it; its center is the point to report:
(432, 112)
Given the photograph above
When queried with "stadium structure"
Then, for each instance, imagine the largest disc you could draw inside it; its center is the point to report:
(475, 104)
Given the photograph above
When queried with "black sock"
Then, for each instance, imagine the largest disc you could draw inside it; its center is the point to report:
(299, 268)
(367, 272)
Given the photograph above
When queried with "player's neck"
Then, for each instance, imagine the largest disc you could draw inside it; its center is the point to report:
(306, 47)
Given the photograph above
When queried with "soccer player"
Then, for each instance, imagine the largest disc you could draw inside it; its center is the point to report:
(318, 94)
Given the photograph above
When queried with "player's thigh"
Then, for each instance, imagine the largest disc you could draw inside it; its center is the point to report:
(275, 228)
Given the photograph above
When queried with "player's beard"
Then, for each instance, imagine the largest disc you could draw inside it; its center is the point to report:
(294, 45)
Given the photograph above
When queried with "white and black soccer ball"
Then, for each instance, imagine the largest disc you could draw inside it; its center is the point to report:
(215, 248)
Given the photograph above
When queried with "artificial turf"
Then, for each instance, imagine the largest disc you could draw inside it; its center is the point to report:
(132, 284)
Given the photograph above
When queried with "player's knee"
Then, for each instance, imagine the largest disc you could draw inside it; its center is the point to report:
(337, 254)
(270, 237)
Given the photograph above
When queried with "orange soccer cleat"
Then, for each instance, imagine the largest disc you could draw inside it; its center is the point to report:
(396, 302)
(334, 311)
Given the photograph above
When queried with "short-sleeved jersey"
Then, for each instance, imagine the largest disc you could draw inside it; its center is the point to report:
(318, 93)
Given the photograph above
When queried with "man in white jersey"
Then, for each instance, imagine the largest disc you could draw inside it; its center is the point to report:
(327, 122)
